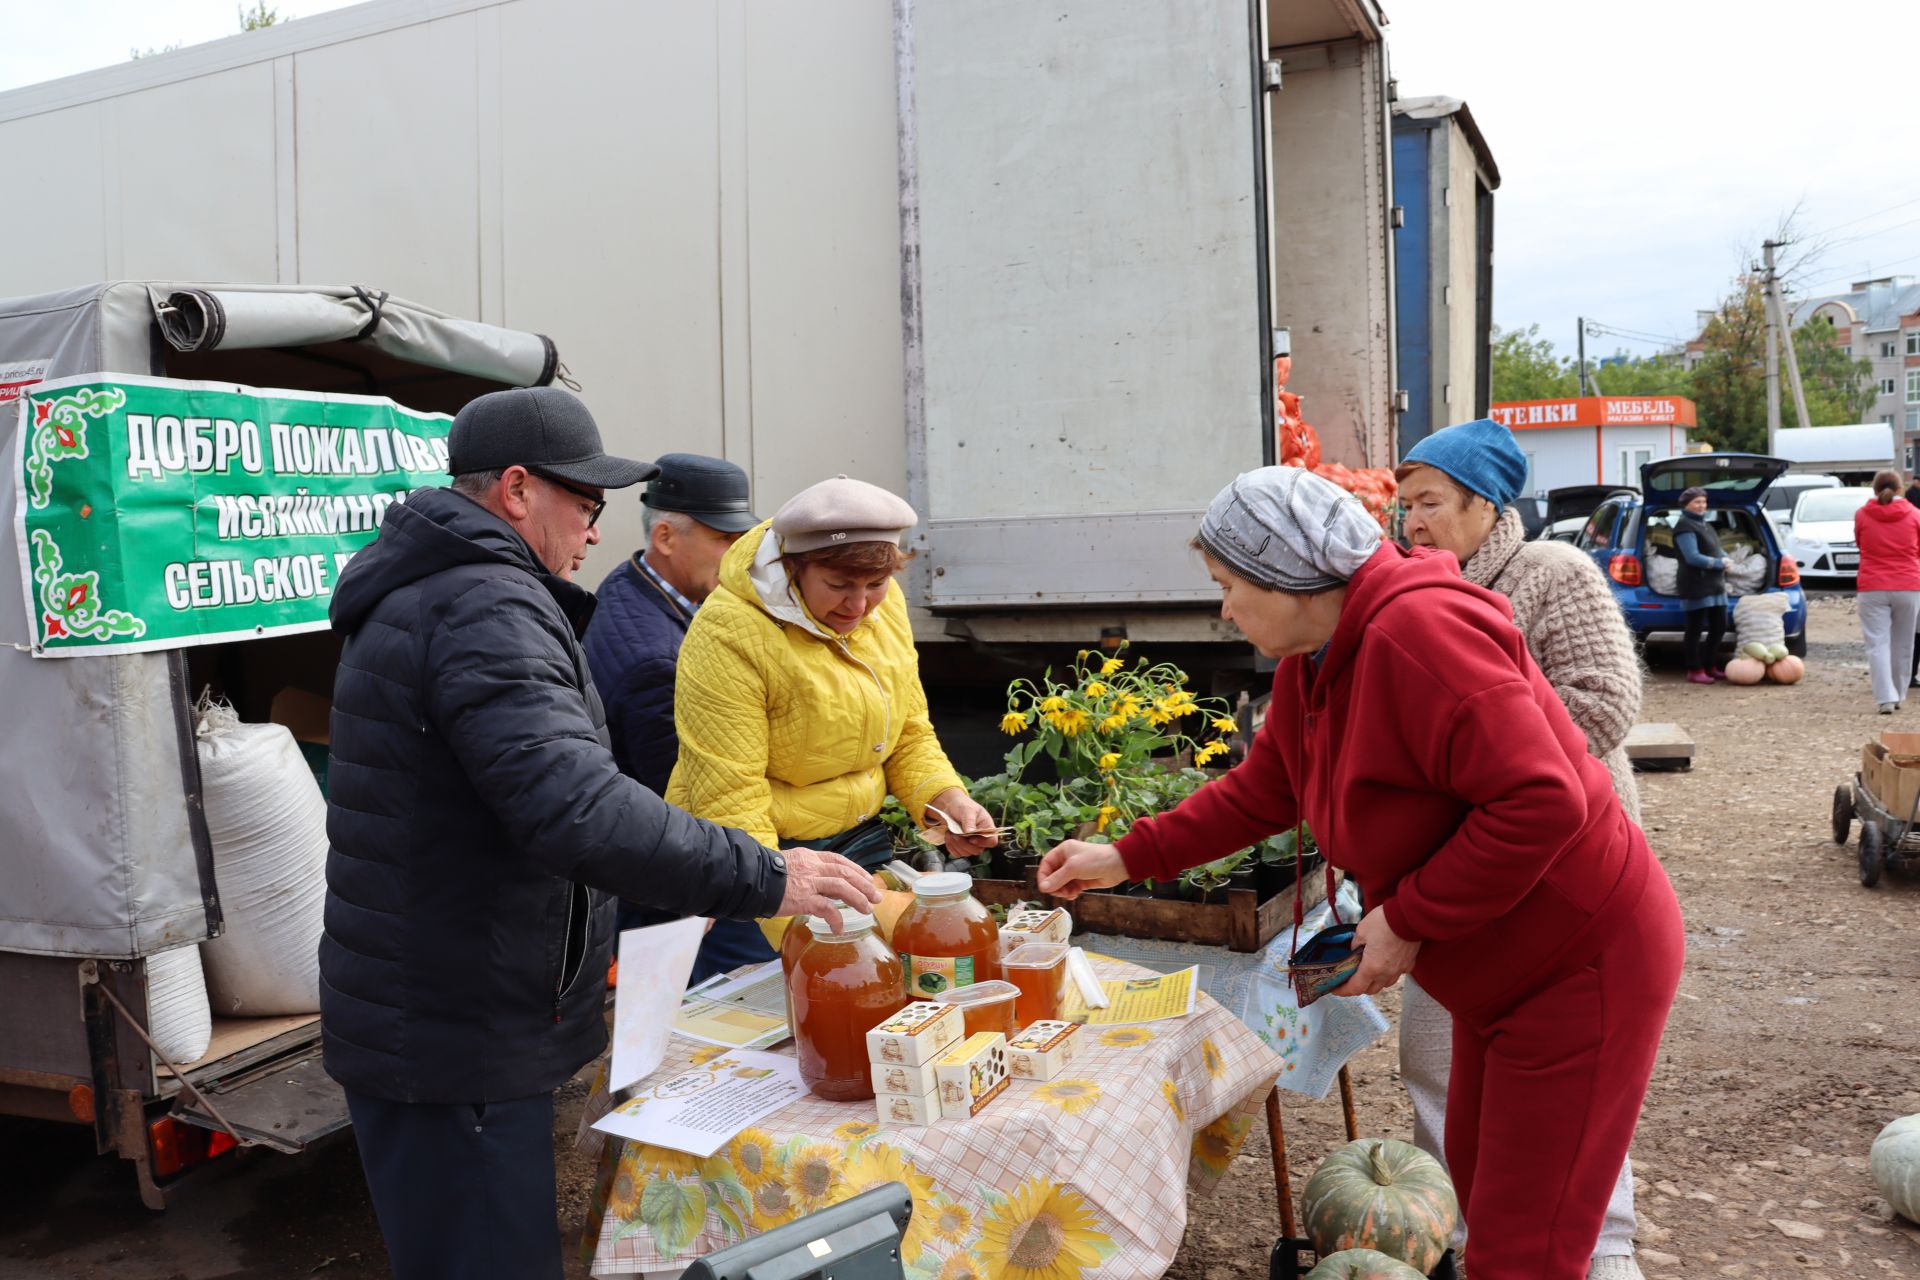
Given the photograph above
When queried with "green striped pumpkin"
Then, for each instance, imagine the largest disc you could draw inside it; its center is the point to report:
(1362, 1264)
(1385, 1195)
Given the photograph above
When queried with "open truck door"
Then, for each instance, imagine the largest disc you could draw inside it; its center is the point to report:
(104, 846)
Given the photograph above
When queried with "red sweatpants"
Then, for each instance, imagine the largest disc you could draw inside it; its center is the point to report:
(1545, 1094)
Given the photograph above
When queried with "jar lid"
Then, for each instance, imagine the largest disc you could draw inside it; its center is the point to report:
(1035, 955)
(851, 922)
(942, 884)
(990, 992)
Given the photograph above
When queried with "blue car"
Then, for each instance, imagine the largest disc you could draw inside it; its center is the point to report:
(1630, 536)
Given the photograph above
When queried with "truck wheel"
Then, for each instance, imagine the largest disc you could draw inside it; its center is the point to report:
(1842, 812)
(1871, 859)
(1797, 643)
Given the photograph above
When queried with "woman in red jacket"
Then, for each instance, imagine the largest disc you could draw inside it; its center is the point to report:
(1413, 733)
(1888, 533)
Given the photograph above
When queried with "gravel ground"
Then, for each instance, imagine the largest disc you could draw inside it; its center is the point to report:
(1793, 1041)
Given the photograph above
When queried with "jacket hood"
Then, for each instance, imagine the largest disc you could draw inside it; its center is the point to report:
(1391, 573)
(752, 570)
(1886, 512)
(432, 531)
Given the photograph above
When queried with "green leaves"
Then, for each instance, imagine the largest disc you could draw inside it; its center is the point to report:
(673, 1212)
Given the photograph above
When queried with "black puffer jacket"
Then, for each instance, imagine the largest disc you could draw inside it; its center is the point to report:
(474, 808)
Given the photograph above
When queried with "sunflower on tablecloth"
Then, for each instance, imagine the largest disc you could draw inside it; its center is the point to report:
(1042, 1231)
(1071, 1096)
(1125, 1037)
(1215, 1146)
(874, 1164)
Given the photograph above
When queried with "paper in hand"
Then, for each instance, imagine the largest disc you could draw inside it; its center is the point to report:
(655, 963)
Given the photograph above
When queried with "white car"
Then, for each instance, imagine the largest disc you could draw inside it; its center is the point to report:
(1820, 534)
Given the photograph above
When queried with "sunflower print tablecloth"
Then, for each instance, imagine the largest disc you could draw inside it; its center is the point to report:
(1084, 1176)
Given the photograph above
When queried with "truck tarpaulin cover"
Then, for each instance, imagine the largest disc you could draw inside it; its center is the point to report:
(103, 850)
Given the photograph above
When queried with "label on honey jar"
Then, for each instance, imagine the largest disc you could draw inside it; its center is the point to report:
(928, 976)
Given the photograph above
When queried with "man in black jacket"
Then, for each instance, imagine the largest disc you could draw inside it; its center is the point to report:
(479, 832)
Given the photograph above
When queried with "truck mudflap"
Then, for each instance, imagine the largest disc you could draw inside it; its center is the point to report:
(287, 1105)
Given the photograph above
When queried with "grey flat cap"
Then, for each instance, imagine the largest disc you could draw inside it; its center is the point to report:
(839, 511)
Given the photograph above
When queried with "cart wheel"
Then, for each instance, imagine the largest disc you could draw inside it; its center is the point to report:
(1842, 812)
(1872, 857)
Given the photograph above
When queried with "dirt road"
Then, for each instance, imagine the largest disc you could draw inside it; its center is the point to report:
(1795, 1038)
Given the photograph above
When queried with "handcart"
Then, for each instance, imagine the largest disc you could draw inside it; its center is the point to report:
(1887, 839)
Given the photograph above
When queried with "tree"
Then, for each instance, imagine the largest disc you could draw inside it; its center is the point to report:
(250, 20)
(1730, 382)
(1839, 388)
(1526, 368)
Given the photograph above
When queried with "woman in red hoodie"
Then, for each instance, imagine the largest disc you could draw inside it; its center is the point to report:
(1888, 533)
(1413, 733)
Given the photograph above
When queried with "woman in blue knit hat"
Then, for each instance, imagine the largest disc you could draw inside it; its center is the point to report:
(1457, 487)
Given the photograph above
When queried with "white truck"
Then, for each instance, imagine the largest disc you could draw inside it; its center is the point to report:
(1024, 263)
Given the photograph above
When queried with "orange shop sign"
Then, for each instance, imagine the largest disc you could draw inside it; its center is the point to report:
(1596, 411)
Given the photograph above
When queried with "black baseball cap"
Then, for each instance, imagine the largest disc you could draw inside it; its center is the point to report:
(544, 429)
(710, 490)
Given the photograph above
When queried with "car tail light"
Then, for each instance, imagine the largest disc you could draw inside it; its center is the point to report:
(178, 1147)
(1789, 571)
(1624, 570)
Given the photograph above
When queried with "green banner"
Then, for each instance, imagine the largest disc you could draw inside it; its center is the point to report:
(154, 514)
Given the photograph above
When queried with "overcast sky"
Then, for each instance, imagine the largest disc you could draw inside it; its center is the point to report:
(1641, 143)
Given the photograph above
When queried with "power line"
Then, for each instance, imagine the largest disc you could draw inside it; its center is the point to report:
(1841, 226)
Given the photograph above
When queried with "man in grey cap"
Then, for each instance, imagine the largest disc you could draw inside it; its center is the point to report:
(479, 830)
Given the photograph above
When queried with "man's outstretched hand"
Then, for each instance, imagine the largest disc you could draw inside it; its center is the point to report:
(816, 879)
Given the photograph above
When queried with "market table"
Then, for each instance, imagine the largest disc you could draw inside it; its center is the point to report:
(1086, 1175)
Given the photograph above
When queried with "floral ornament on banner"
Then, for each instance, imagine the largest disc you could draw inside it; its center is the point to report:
(70, 602)
(59, 432)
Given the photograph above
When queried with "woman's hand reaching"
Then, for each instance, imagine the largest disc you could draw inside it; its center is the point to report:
(1074, 866)
(976, 824)
(1387, 959)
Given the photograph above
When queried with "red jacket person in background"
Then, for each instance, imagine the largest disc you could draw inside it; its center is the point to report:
(1437, 767)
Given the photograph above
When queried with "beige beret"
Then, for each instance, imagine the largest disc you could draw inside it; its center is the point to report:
(838, 511)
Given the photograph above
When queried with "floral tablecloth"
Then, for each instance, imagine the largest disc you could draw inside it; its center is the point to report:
(1086, 1175)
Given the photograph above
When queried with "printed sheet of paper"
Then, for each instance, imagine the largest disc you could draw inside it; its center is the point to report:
(699, 1110)
(654, 964)
(748, 1012)
(1164, 995)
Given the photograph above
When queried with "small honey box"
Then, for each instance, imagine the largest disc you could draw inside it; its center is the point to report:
(1044, 926)
(896, 1109)
(916, 1035)
(1043, 1050)
(972, 1074)
(913, 1082)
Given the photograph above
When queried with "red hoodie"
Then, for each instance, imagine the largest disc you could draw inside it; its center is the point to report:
(1436, 765)
(1889, 538)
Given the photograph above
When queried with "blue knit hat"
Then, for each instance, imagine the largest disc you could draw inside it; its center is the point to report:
(1482, 455)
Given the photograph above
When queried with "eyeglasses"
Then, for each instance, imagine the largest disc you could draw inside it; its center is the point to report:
(599, 503)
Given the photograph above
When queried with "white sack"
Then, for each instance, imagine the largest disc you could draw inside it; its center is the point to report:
(1663, 575)
(1760, 618)
(1746, 571)
(178, 1018)
(268, 823)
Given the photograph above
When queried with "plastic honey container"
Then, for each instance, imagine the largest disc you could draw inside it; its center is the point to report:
(1039, 970)
(985, 1006)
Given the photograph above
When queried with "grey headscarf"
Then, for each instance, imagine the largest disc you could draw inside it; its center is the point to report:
(1287, 529)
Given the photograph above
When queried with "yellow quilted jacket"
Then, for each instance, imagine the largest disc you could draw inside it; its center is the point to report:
(787, 731)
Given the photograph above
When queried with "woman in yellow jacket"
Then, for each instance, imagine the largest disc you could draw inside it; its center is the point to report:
(797, 696)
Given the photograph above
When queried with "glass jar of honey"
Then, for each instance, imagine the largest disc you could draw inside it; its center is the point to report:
(842, 986)
(946, 939)
(792, 943)
(1039, 970)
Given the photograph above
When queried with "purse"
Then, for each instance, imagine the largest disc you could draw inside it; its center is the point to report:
(1328, 958)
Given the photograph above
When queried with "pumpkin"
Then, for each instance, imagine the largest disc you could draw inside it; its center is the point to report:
(1379, 1193)
(1362, 1264)
(1746, 670)
(1787, 670)
(1895, 1162)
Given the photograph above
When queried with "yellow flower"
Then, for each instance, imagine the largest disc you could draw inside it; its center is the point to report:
(1043, 1231)
(875, 1164)
(1071, 1096)
(855, 1130)
(660, 1162)
(815, 1178)
(1129, 705)
(1111, 666)
(1209, 752)
(1215, 1146)
(1072, 723)
(1096, 690)
(1083, 655)
(1156, 717)
(752, 1156)
(1171, 1093)
(624, 1199)
(1109, 761)
(1113, 723)
(1178, 703)
(961, 1266)
(1053, 703)
(1012, 722)
(951, 1221)
(1210, 1055)
(773, 1206)
(1226, 724)
(1107, 814)
(1126, 1037)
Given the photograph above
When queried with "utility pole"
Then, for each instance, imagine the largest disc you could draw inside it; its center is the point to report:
(1777, 319)
(1582, 347)
(1773, 355)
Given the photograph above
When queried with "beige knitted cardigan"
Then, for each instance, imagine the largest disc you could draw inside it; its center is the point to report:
(1573, 627)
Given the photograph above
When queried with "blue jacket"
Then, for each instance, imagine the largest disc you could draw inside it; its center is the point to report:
(477, 822)
(633, 646)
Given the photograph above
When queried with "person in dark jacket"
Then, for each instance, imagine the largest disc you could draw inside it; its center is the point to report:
(477, 824)
(1703, 587)
(695, 509)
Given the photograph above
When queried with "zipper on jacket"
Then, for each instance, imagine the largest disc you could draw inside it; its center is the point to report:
(565, 984)
(886, 700)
